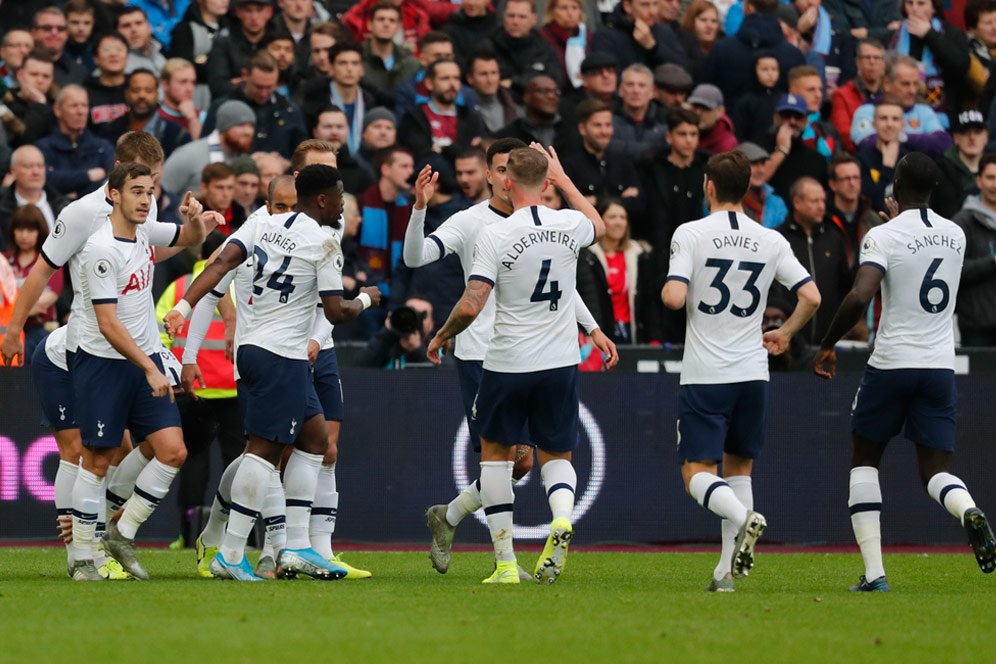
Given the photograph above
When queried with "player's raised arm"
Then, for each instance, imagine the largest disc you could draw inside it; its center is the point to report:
(475, 296)
(853, 307)
(418, 249)
(558, 178)
(340, 310)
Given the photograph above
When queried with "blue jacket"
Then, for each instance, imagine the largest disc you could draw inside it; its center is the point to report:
(67, 163)
(730, 64)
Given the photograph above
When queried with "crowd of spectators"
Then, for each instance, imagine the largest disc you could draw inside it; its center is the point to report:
(822, 96)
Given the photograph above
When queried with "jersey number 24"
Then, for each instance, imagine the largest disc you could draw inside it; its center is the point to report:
(278, 281)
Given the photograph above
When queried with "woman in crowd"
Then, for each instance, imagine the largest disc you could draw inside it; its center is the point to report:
(28, 230)
(564, 30)
(699, 32)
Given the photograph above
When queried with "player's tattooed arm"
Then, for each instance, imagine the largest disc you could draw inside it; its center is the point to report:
(475, 296)
(854, 306)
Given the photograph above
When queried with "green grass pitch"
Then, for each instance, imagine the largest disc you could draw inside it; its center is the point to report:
(607, 607)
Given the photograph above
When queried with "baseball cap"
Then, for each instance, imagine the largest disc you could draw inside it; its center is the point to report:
(753, 152)
(792, 104)
(707, 96)
(971, 119)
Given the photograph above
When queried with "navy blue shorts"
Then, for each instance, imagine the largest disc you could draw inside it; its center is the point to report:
(328, 385)
(55, 391)
(923, 401)
(723, 418)
(113, 395)
(276, 394)
(545, 401)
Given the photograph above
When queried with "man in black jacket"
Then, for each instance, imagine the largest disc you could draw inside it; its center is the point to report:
(977, 294)
(521, 51)
(27, 165)
(541, 122)
(634, 34)
(471, 27)
(230, 52)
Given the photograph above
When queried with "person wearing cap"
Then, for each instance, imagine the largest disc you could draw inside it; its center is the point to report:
(761, 203)
(864, 88)
(977, 294)
(380, 130)
(521, 51)
(790, 157)
(752, 111)
(541, 122)
(960, 163)
(599, 80)
(635, 33)
(231, 51)
(247, 194)
(715, 127)
(386, 64)
(235, 127)
(672, 83)
(638, 121)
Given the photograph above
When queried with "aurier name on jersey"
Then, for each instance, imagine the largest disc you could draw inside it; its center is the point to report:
(295, 262)
(921, 254)
(728, 262)
(118, 271)
(531, 260)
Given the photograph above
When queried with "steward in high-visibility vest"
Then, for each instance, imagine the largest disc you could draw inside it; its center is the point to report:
(8, 296)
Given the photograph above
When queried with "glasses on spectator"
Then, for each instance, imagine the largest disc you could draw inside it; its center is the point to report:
(51, 28)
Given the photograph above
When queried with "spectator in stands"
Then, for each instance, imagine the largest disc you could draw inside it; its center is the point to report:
(380, 130)
(217, 193)
(980, 21)
(977, 293)
(282, 49)
(566, 33)
(50, 31)
(635, 33)
(866, 20)
(322, 38)
(541, 122)
(27, 233)
(729, 64)
(247, 192)
(850, 212)
(672, 84)
(879, 159)
(638, 123)
(821, 251)
(105, 89)
(296, 18)
(80, 19)
(865, 88)
(162, 17)
(922, 129)
(552, 199)
(230, 52)
(414, 21)
(385, 64)
(30, 115)
(495, 103)
(960, 164)
(144, 52)
(521, 51)
(193, 37)
(15, 47)
(805, 82)
(435, 45)
(599, 80)
(177, 119)
(470, 176)
(270, 166)
(762, 203)
(790, 157)
(940, 48)
(715, 127)
(332, 126)
(471, 27)
(235, 127)
(342, 90)
(751, 113)
(77, 160)
(440, 125)
(27, 168)
(141, 100)
(699, 33)
(280, 125)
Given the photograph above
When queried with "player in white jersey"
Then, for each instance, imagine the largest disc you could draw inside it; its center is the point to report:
(296, 261)
(720, 271)
(531, 366)
(458, 235)
(908, 386)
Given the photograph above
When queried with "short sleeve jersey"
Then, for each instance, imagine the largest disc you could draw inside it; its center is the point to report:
(458, 235)
(294, 263)
(320, 310)
(55, 347)
(119, 271)
(921, 254)
(729, 263)
(531, 260)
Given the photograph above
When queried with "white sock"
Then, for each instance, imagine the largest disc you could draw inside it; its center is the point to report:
(86, 505)
(743, 490)
(864, 500)
(151, 487)
(274, 513)
(99, 557)
(321, 525)
(300, 480)
(716, 496)
(65, 478)
(466, 502)
(497, 498)
(111, 469)
(951, 493)
(249, 487)
(214, 530)
(560, 481)
(121, 484)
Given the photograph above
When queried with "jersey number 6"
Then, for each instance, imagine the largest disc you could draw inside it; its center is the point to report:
(723, 266)
(553, 295)
(929, 284)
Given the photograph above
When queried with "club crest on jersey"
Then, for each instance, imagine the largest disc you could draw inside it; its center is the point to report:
(868, 244)
(59, 230)
(674, 248)
(338, 262)
(102, 268)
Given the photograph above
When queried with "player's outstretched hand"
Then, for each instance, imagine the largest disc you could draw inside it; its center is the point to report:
(892, 208)
(374, 294)
(212, 220)
(776, 342)
(425, 187)
(437, 348)
(12, 350)
(609, 353)
(190, 378)
(173, 323)
(825, 363)
(313, 349)
(159, 384)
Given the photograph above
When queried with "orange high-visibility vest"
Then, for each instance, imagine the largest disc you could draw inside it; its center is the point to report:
(218, 372)
(8, 297)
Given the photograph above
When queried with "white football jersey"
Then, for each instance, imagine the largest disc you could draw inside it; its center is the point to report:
(76, 223)
(458, 235)
(531, 260)
(729, 262)
(55, 347)
(921, 254)
(119, 271)
(294, 262)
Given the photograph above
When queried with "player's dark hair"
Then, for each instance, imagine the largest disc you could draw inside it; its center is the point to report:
(680, 116)
(139, 146)
(916, 178)
(503, 146)
(120, 11)
(38, 56)
(730, 174)
(128, 170)
(314, 180)
(988, 159)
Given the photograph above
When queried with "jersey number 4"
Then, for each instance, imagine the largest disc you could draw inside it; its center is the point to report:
(540, 294)
(723, 265)
(278, 281)
(929, 284)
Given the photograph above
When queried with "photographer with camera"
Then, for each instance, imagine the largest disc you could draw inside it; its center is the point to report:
(403, 338)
